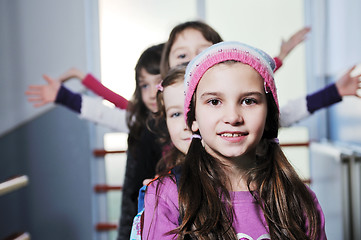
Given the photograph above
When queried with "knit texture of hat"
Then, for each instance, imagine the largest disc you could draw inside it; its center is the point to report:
(225, 51)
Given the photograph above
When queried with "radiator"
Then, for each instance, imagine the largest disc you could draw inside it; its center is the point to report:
(336, 179)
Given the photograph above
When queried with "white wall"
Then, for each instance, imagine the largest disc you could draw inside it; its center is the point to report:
(38, 37)
(128, 28)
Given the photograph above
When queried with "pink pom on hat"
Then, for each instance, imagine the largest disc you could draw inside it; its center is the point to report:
(222, 52)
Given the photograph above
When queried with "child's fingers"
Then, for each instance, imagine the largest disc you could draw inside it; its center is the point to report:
(300, 36)
(40, 104)
(35, 87)
(357, 76)
(302, 33)
(31, 92)
(305, 30)
(351, 69)
(37, 102)
(35, 99)
(48, 79)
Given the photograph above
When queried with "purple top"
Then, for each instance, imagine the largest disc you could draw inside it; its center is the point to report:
(248, 222)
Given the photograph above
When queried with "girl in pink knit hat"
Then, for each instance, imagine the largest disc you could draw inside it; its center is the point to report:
(235, 181)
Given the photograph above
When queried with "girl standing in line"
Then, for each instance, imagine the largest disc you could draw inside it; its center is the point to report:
(235, 182)
(176, 136)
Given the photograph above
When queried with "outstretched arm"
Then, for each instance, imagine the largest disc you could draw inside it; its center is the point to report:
(300, 108)
(40, 95)
(290, 44)
(347, 85)
(89, 108)
(95, 86)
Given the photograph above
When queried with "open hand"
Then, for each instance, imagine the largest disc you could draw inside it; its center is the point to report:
(290, 44)
(348, 85)
(41, 95)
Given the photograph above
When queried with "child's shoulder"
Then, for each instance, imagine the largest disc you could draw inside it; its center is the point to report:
(312, 193)
(165, 187)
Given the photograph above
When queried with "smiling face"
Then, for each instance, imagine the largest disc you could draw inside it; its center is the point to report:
(148, 88)
(180, 135)
(188, 44)
(230, 110)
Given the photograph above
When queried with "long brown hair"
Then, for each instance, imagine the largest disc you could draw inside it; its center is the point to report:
(207, 31)
(204, 200)
(137, 113)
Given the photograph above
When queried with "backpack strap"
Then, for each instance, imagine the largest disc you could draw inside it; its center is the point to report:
(141, 198)
(177, 171)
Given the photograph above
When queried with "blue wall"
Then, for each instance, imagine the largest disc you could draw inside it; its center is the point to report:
(54, 151)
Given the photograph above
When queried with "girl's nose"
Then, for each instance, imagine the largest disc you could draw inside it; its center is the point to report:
(154, 91)
(233, 115)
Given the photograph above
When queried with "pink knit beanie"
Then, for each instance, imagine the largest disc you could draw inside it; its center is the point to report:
(222, 52)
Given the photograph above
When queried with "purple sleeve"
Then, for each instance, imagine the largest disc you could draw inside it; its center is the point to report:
(322, 230)
(323, 98)
(69, 99)
(161, 210)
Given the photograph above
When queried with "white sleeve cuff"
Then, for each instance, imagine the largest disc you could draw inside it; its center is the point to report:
(94, 110)
(294, 111)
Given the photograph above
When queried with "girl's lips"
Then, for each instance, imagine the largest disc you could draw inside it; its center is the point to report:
(233, 136)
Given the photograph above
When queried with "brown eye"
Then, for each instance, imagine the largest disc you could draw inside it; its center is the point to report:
(214, 102)
(249, 101)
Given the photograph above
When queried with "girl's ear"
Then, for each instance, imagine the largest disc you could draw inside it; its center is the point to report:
(195, 127)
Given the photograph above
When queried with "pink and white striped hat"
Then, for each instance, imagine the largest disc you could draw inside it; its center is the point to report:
(222, 52)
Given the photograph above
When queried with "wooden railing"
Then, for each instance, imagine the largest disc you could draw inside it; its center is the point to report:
(106, 226)
(18, 236)
(11, 185)
(101, 188)
(102, 152)
(300, 144)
